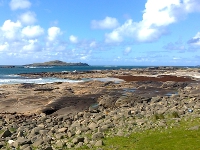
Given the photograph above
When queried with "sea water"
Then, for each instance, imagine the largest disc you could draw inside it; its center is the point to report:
(11, 75)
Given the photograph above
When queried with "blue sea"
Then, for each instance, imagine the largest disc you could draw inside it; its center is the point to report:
(11, 75)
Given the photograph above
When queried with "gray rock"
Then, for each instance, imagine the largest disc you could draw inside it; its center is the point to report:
(70, 133)
(21, 141)
(20, 134)
(35, 131)
(78, 132)
(92, 126)
(97, 136)
(69, 145)
(62, 130)
(120, 133)
(38, 142)
(194, 128)
(92, 142)
(77, 140)
(156, 99)
(80, 144)
(103, 128)
(86, 140)
(99, 143)
(43, 132)
(59, 143)
(59, 135)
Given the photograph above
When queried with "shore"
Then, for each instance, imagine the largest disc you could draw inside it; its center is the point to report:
(59, 114)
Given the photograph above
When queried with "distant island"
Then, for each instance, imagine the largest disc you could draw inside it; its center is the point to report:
(55, 63)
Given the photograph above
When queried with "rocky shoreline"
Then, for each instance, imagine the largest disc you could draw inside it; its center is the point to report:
(81, 115)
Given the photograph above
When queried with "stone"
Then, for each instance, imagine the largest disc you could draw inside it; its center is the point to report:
(80, 144)
(38, 142)
(59, 143)
(70, 133)
(69, 145)
(48, 148)
(92, 126)
(2, 144)
(99, 143)
(62, 130)
(21, 141)
(6, 133)
(43, 132)
(97, 136)
(20, 134)
(77, 140)
(120, 133)
(27, 148)
(194, 128)
(78, 132)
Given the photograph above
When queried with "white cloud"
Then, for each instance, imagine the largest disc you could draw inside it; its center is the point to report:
(20, 4)
(11, 29)
(4, 46)
(107, 23)
(156, 17)
(28, 18)
(127, 50)
(73, 39)
(32, 31)
(195, 41)
(175, 46)
(93, 44)
(53, 33)
(31, 45)
(114, 36)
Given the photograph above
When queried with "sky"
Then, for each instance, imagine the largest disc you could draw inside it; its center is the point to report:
(100, 32)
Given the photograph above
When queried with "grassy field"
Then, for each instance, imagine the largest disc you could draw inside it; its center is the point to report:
(177, 138)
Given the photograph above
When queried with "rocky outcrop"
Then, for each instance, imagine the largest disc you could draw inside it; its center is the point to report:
(78, 115)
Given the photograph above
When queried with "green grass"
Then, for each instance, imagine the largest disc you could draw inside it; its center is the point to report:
(178, 138)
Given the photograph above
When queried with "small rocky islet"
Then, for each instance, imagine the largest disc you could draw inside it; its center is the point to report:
(80, 115)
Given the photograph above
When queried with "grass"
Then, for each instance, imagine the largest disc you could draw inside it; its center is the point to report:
(178, 138)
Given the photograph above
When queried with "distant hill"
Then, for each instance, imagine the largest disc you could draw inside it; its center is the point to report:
(56, 63)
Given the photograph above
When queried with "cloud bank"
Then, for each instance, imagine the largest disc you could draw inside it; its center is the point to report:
(157, 16)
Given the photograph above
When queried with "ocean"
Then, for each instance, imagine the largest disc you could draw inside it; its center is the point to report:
(11, 75)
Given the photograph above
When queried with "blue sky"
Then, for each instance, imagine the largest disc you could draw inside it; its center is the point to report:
(114, 32)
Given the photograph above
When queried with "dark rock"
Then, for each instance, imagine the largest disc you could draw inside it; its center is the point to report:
(76, 140)
(6, 133)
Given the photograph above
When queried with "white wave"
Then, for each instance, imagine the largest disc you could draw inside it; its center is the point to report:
(12, 75)
(36, 81)
(32, 67)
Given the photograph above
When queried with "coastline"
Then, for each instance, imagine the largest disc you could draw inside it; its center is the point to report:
(133, 94)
